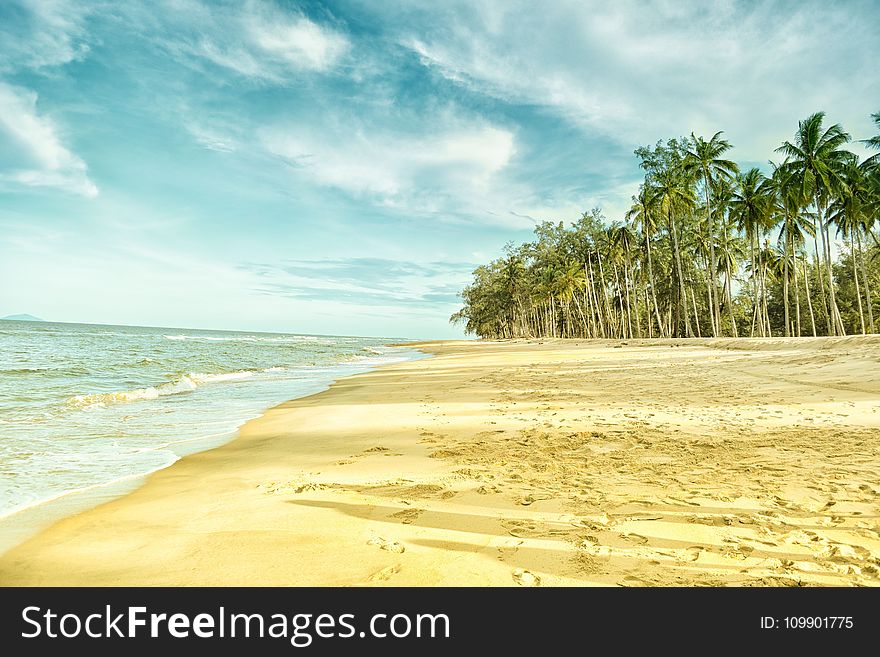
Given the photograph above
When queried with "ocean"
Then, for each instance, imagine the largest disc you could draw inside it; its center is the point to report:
(84, 407)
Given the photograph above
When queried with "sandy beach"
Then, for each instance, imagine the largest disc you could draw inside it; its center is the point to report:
(678, 462)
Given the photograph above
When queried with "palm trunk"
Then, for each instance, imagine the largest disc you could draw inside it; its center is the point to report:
(821, 280)
(608, 313)
(836, 320)
(768, 330)
(681, 294)
(809, 296)
(709, 299)
(733, 327)
(754, 284)
(588, 301)
(785, 278)
(694, 301)
(599, 318)
(865, 283)
(630, 281)
(653, 286)
(623, 315)
(797, 295)
(714, 304)
(852, 253)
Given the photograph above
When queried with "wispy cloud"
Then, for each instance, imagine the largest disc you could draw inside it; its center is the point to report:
(221, 132)
(450, 169)
(39, 36)
(257, 40)
(36, 34)
(210, 138)
(363, 281)
(639, 72)
(33, 153)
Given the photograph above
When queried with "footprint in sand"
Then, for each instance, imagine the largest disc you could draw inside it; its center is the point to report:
(408, 516)
(508, 548)
(525, 578)
(293, 487)
(384, 574)
(690, 554)
(737, 551)
(527, 500)
(384, 544)
(590, 546)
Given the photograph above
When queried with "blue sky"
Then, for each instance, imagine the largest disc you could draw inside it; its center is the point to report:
(341, 167)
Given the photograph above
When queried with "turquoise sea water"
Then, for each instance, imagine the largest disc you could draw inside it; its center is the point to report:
(87, 406)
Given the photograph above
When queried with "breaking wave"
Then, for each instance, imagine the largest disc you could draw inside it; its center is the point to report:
(183, 384)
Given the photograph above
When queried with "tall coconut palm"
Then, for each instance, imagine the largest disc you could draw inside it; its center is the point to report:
(705, 157)
(849, 213)
(786, 203)
(643, 213)
(817, 158)
(750, 210)
(512, 274)
(729, 247)
(674, 196)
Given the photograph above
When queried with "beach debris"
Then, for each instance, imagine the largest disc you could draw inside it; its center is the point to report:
(525, 578)
(385, 544)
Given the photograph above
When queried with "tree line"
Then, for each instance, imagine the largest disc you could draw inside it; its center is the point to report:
(707, 249)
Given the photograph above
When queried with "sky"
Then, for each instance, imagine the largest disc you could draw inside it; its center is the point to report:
(341, 167)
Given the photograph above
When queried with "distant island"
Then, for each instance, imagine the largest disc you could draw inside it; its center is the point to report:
(22, 318)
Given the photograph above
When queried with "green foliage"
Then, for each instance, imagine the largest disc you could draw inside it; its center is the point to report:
(704, 250)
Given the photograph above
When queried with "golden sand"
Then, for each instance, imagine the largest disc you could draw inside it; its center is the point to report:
(690, 462)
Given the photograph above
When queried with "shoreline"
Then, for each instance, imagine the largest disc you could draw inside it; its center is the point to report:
(551, 462)
(23, 522)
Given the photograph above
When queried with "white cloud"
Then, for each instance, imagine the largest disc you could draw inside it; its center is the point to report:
(258, 40)
(210, 138)
(450, 168)
(47, 33)
(34, 154)
(640, 72)
(299, 41)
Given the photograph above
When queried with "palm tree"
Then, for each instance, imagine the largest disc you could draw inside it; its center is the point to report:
(729, 247)
(786, 203)
(817, 160)
(749, 208)
(848, 214)
(674, 256)
(771, 263)
(624, 239)
(873, 142)
(705, 157)
(512, 273)
(673, 196)
(643, 213)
